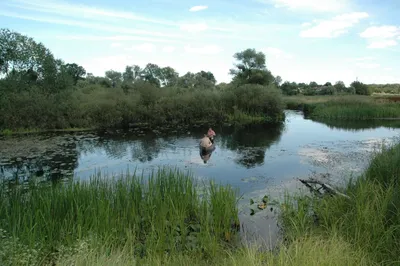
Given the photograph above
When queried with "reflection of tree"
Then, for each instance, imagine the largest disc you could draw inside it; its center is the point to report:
(359, 125)
(147, 149)
(251, 142)
(117, 145)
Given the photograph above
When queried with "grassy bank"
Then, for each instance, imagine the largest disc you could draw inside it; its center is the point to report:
(165, 214)
(169, 220)
(369, 220)
(349, 107)
(97, 106)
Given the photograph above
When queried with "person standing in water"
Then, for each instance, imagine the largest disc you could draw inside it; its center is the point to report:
(211, 134)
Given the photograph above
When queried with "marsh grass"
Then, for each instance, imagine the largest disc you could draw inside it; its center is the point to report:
(311, 251)
(155, 215)
(349, 107)
(369, 221)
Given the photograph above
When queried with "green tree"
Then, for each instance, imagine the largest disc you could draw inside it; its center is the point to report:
(114, 76)
(152, 74)
(360, 88)
(289, 88)
(251, 68)
(278, 81)
(168, 76)
(75, 71)
(340, 86)
(25, 61)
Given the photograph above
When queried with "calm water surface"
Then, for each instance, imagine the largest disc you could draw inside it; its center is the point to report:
(257, 160)
(247, 158)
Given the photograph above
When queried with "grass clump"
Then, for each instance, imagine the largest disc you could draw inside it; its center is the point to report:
(311, 251)
(159, 215)
(369, 220)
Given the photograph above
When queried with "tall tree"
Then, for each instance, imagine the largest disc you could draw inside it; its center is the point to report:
(75, 71)
(251, 68)
(152, 73)
(114, 76)
(168, 76)
(23, 59)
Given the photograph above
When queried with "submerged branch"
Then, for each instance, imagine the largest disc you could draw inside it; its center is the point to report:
(312, 185)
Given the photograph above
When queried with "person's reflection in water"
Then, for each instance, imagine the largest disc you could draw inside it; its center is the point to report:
(205, 155)
(206, 149)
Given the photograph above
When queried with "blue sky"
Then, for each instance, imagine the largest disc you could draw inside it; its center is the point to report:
(304, 40)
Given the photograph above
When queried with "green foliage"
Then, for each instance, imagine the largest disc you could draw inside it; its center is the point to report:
(360, 88)
(251, 68)
(369, 220)
(165, 212)
(41, 92)
(352, 108)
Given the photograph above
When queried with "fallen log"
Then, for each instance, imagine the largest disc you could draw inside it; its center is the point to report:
(312, 185)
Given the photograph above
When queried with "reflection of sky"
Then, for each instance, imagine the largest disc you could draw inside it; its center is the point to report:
(283, 160)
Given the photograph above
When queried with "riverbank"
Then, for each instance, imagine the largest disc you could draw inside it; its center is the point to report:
(346, 107)
(99, 223)
(369, 220)
(164, 222)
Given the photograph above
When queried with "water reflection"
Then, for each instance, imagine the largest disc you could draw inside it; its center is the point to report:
(251, 142)
(239, 151)
(205, 154)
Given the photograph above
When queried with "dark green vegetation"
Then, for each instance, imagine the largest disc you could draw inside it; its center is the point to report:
(346, 107)
(339, 88)
(369, 220)
(168, 213)
(39, 92)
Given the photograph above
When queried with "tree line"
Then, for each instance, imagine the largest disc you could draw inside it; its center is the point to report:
(25, 63)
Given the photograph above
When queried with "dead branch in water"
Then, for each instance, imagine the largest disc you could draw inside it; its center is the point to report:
(312, 185)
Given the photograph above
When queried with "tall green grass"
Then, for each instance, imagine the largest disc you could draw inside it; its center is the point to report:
(369, 220)
(166, 213)
(349, 107)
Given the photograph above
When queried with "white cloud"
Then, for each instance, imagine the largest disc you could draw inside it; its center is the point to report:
(144, 47)
(380, 32)
(90, 25)
(361, 59)
(334, 27)
(388, 69)
(310, 5)
(168, 49)
(276, 53)
(380, 37)
(382, 44)
(194, 27)
(204, 50)
(368, 65)
(197, 8)
(116, 44)
(83, 11)
(306, 24)
(118, 38)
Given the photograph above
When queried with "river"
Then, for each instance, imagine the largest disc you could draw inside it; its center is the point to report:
(257, 160)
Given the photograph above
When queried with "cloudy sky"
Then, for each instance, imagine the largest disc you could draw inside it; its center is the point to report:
(304, 40)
